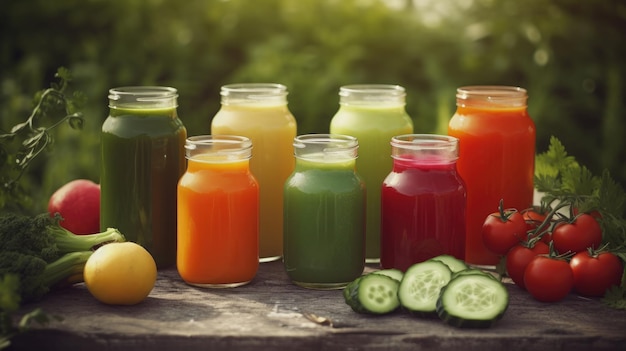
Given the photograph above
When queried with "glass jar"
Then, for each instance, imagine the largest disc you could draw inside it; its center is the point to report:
(423, 202)
(373, 113)
(142, 149)
(496, 157)
(324, 240)
(260, 112)
(218, 213)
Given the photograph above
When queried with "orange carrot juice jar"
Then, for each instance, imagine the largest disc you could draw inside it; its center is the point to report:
(218, 213)
(496, 157)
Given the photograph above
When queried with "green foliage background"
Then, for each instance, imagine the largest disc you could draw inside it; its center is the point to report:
(568, 54)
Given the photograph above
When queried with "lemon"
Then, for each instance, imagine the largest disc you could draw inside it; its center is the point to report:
(120, 273)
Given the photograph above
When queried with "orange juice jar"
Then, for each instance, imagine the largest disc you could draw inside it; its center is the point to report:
(218, 213)
(259, 111)
(496, 157)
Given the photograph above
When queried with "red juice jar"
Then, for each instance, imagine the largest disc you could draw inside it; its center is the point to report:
(496, 157)
(423, 202)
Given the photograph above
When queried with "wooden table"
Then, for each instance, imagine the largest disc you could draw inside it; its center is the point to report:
(269, 313)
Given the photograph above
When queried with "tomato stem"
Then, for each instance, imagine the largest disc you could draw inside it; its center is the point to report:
(559, 256)
(505, 214)
(543, 228)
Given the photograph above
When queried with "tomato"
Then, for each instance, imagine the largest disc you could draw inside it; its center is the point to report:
(520, 256)
(548, 279)
(594, 213)
(533, 217)
(595, 273)
(502, 230)
(581, 233)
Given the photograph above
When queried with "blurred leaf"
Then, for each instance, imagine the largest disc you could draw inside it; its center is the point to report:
(76, 121)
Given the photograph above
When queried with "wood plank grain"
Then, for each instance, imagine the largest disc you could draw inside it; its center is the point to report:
(270, 313)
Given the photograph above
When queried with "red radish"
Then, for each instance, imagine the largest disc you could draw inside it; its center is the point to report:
(78, 202)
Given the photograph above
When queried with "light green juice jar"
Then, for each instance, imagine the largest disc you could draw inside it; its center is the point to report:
(373, 113)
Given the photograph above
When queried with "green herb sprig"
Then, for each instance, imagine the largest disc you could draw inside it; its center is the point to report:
(25, 141)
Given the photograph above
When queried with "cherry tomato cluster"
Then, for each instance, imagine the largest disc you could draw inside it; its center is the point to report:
(549, 254)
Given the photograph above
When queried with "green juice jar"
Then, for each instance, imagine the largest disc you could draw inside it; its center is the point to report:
(143, 157)
(324, 213)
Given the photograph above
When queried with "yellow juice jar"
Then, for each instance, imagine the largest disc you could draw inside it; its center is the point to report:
(259, 112)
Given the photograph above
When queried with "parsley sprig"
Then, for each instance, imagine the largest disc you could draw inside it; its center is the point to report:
(562, 179)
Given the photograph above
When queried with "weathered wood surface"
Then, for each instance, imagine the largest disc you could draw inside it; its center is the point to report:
(269, 314)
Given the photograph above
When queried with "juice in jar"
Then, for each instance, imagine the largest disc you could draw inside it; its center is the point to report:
(496, 157)
(324, 238)
(423, 202)
(260, 112)
(218, 213)
(372, 113)
(142, 149)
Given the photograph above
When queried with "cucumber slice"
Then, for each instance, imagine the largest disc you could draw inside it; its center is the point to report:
(372, 293)
(421, 285)
(473, 271)
(452, 262)
(472, 301)
(391, 273)
(349, 290)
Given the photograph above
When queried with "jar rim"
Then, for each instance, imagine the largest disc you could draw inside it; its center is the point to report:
(139, 97)
(331, 145)
(239, 147)
(420, 141)
(425, 145)
(257, 88)
(388, 89)
(492, 94)
(220, 138)
(321, 138)
(143, 93)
